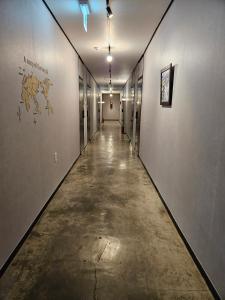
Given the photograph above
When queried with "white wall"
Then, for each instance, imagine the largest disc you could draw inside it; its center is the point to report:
(28, 172)
(183, 147)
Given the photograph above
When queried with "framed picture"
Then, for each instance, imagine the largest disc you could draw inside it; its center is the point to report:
(166, 86)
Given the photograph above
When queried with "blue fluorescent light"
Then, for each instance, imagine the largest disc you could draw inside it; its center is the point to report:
(85, 12)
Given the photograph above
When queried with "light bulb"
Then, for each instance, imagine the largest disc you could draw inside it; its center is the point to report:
(109, 58)
(111, 95)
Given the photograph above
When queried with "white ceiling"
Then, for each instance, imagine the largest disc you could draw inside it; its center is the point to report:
(132, 26)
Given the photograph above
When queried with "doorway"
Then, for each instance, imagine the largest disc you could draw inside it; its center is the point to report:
(111, 107)
(98, 112)
(138, 114)
(131, 119)
(81, 109)
(88, 112)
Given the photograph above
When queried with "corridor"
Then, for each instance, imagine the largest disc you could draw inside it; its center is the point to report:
(105, 235)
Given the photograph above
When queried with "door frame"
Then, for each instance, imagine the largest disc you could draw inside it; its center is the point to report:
(81, 112)
(137, 144)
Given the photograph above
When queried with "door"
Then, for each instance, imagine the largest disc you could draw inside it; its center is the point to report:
(88, 112)
(81, 108)
(123, 112)
(138, 113)
(98, 112)
(132, 113)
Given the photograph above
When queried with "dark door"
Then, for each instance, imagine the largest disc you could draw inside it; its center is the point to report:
(98, 112)
(81, 107)
(123, 113)
(138, 113)
(88, 112)
(132, 113)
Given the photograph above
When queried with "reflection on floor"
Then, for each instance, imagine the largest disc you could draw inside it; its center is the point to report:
(104, 236)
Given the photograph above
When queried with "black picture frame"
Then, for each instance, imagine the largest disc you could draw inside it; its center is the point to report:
(166, 86)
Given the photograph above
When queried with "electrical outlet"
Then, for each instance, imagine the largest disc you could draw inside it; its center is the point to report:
(55, 157)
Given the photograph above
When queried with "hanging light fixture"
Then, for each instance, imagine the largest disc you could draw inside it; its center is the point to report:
(109, 56)
(110, 86)
(108, 9)
(110, 78)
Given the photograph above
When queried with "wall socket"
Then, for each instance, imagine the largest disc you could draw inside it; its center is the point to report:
(55, 157)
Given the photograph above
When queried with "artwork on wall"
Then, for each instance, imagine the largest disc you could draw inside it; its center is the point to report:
(35, 87)
(166, 86)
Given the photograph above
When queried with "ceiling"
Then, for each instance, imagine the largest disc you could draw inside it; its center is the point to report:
(132, 26)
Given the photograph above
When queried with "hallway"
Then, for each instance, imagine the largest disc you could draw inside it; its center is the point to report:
(104, 236)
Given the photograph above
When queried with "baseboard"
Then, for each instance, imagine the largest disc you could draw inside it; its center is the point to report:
(15, 251)
(191, 252)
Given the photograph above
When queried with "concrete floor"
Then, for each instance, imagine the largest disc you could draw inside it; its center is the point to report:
(104, 236)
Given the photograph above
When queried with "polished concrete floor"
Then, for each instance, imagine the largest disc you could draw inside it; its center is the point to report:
(104, 236)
